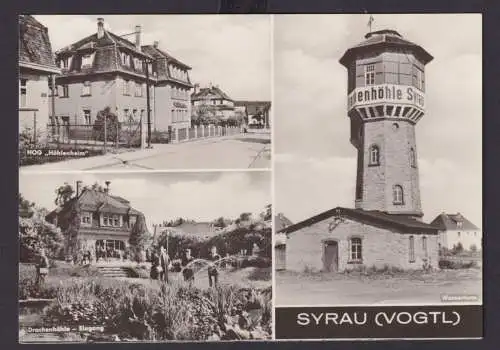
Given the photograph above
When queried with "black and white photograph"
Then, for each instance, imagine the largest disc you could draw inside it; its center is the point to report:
(136, 92)
(378, 159)
(148, 257)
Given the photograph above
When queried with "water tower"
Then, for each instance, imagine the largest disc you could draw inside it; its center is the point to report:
(386, 99)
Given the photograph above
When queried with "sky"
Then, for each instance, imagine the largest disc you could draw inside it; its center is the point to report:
(230, 51)
(163, 196)
(315, 162)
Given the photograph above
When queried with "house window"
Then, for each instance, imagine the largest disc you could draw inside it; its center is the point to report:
(138, 89)
(125, 113)
(125, 59)
(374, 155)
(86, 116)
(116, 220)
(23, 92)
(458, 234)
(413, 162)
(64, 91)
(356, 250)
(459, 224)
(111, 220)
(138, 64)
(424, 246)
(412, 248)
(419, 79)
(87, 60)
(126, 87)
(132, 220)
(86, 218)
(64, 63)
(86, 88)
(370, 74)
(397, 193)
(134, 114)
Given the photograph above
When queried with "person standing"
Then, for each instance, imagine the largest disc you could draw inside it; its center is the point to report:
(164, 262)
(213, 273)
(187, 270)
(42, 268)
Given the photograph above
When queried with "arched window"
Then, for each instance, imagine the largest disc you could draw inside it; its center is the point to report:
(413, 160)
(397, 194)
(356, 249)
(374, 155)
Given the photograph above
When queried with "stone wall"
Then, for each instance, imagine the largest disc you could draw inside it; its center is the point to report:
(304, 248)
(378, 181)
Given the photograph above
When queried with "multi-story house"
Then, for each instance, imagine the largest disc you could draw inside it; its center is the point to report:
(95, 218)
(455, 229)
(213, 101)
(107, 70)
(172, 90)
(36, 67)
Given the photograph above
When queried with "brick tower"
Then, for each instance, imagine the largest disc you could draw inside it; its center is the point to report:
(386, 88)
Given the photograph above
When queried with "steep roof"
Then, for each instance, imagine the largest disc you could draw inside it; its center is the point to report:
(159, 53)
(452, 222)
(34, 44)
(206, 92)
(386, 39)
(404, 224)
(281, 222)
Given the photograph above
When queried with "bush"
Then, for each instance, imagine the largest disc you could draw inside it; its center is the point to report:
(456, 265)
(112, 125)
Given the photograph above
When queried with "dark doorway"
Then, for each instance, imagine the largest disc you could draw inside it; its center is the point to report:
(330, 256)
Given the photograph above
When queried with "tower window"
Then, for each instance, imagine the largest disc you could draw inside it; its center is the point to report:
(411, 249)
(370, 74)
(374, 155)
(413, 160)
(356, 250)
(397, 194)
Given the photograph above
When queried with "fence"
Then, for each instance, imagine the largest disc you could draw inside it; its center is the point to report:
(202, 131)
(124, 134)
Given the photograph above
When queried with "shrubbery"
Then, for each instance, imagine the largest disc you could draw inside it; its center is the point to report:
(457, 264)
(166, 312)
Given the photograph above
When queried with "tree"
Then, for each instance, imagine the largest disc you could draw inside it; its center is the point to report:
(220, 222)
(245, 216)
(108, 118)
(139, 237)
(64, 194)
(26, 208)
(266, 215)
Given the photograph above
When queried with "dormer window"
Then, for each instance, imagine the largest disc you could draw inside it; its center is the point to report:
(111, 220)
(132, 220)
(65, 63)
(86, 219)
(459, 224)
(125, 59)
(370, 74)
(87, 60)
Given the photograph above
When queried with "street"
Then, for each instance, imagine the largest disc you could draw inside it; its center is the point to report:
(235, 152)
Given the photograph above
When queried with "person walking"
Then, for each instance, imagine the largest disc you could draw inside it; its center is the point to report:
(213, 273)
(42, 268)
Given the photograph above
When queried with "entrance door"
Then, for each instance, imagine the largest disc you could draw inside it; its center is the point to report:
(330, 256)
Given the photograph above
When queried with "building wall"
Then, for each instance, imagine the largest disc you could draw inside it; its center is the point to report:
(394, 169)
(105, 92)
(304, 248)
(449, 239)
(166, 111)
(37, 97)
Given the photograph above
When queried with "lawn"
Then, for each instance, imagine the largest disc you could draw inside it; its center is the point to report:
(416, 287)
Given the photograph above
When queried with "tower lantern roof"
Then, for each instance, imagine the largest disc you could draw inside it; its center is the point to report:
(385, 39)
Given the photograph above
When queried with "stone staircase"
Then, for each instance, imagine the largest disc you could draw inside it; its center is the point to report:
(116, 271)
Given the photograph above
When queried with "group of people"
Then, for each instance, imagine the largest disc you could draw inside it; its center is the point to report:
(161, 264)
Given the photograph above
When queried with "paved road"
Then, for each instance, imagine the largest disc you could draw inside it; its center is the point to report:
(236, 152)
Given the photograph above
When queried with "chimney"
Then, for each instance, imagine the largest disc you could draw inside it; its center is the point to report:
(107, 186)
(100, 27)
(138, 37)
(78, 184)
(156, 44)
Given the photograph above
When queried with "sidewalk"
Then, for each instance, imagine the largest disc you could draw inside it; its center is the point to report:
(170, 156)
